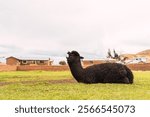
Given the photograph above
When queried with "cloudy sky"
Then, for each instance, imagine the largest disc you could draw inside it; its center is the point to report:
(53, 27)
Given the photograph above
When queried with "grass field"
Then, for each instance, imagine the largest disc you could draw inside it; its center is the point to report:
(46, 85)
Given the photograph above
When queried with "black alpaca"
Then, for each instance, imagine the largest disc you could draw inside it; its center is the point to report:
(101, 73)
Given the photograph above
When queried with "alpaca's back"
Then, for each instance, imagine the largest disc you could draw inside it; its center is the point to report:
(108, 73)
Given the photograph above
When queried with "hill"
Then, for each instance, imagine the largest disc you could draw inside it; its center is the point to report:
(144, 53)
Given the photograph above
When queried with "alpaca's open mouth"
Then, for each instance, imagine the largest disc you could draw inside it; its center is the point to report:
(67, 55)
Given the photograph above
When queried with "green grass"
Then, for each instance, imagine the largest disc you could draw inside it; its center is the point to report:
(32, 76)
(38, 88)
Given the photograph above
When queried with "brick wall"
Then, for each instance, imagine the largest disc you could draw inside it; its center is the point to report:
(142, 67)
(8, 68)
(136, 67)
(46, 68)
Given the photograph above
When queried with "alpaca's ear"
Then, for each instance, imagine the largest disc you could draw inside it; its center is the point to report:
(81, 57)
(68, 52)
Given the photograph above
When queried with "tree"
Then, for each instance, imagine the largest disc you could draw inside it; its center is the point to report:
(109, 54)
(62, 63)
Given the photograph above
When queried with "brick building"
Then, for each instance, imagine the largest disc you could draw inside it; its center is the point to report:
(27, 61)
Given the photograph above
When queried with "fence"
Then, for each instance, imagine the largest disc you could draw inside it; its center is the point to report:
(141, 67)
(46, 68)
(136, 67)
(8, 68)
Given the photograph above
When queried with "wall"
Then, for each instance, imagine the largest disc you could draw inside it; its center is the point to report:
(8, 68)
(47, 68)
(142, 67)
(136, 67)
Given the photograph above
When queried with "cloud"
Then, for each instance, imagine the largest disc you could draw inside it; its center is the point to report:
(9, 49)
(53, 27)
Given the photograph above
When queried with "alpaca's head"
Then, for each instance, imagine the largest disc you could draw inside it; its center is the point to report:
(73, 57)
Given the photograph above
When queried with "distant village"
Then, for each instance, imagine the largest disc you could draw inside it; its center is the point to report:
(112, 56)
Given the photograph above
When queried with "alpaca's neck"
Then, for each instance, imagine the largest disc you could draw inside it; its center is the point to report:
(77, 71)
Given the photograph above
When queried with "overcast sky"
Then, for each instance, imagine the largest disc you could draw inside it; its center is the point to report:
(53, 27)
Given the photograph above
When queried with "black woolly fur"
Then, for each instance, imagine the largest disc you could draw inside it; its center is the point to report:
(100, 73)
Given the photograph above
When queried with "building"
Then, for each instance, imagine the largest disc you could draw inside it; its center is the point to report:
(27, 61)
(137, 60)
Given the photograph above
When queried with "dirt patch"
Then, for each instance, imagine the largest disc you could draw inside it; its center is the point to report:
(47, 81)
(62, 81)
(51, 81)
(5, 83)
